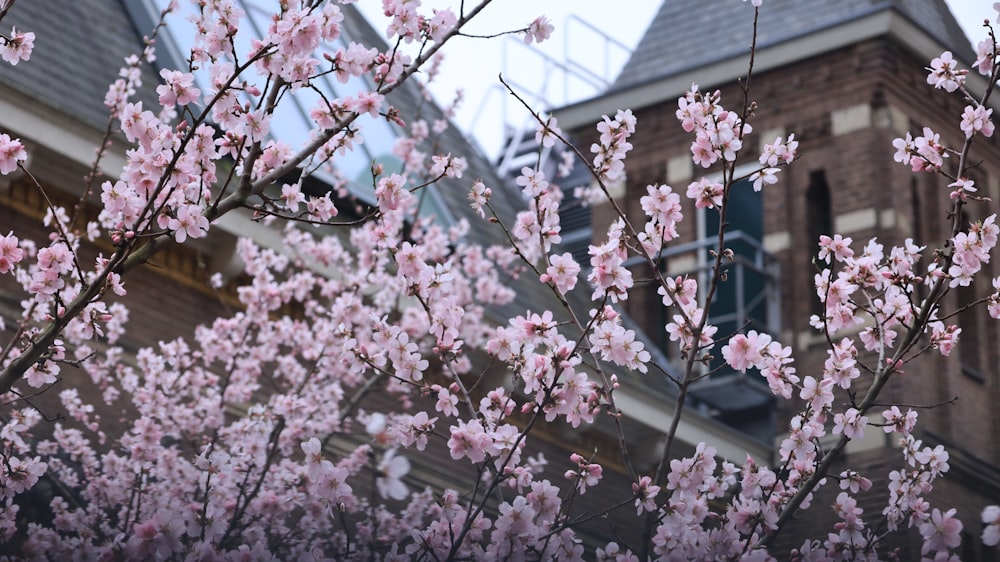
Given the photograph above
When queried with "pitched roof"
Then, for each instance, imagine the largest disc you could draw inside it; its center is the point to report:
(79, 48)
(687, 34)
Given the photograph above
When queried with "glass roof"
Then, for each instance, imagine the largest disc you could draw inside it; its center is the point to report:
(291, 122)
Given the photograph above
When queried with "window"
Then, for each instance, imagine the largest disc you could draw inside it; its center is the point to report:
(819, 222)
(291, 121)
(740, 301)
(916, 211)
(970, 341)
(743, 301)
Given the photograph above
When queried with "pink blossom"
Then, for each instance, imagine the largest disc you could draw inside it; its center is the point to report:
(851, 423)
(586, 474)
(618, 345)
(854, 482)
(20, 475)
(681, 330)
(934, 460)
(468, 440)
(410, 261)
(156, 538)
(12, 153)
(189, 222)
(613, 145)
(838, 246)
(447, 166)
(504, 344)
(897, 421)
(767, 176)
(944, 338)
(547, 132)
(333, 335)
(10, 252)
(904, 149)
(441, 24)
(991, 525)
(256, 125)
(516, 518)
(539, 30)
(941, 531)
(985, 56)
(645, 494)
(926, 153)
(977, 120)
(608, 274)
(17, 47)
(945, 74)
(562, 272)
(818, 393)
(779, 151)
(479, 197)
(291, 196)
(744, 351)
(706, 193)
(533, 182)
(663, 206)
(178, 88)
(391, 470)
(613, 553)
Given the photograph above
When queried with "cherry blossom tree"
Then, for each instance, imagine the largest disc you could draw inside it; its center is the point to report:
(237, 442)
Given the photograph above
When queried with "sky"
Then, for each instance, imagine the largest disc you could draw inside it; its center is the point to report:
(537, 72)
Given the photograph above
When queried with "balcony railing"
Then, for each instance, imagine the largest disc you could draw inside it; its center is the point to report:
(749, 299)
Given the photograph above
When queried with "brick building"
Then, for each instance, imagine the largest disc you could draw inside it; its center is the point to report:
(846, 78)
(84, 43)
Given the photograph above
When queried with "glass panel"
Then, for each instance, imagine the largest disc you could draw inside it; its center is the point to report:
(291, 122)
(740, 299)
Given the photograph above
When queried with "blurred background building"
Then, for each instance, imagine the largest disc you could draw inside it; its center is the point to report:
(846, 79)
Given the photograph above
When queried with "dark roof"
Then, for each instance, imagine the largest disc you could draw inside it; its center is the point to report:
(687, 34)
(81, 44)
(79, 48)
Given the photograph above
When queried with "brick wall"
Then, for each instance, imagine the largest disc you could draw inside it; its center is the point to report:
(845, 107)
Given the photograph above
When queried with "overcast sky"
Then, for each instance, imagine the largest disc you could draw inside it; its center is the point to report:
(473, 66)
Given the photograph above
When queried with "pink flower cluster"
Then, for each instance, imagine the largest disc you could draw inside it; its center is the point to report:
(537, 228)
(945, 74)
(613, 145)
(718, 132)
(302, 425)
(923, 154)
(12, 154)
(17, 46)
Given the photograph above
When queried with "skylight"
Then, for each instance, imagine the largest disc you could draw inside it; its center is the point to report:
(291, 122)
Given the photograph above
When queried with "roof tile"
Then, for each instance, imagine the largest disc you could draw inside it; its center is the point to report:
(79, 47)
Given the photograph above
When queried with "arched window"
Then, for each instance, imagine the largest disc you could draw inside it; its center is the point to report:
(916, 211)
(819, 221)
(970, 341)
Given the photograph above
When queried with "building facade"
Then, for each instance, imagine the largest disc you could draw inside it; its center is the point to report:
(85, 43)
(846, 79)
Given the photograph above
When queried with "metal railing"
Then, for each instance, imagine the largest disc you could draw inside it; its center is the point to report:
(751, 259)
(564, 80)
